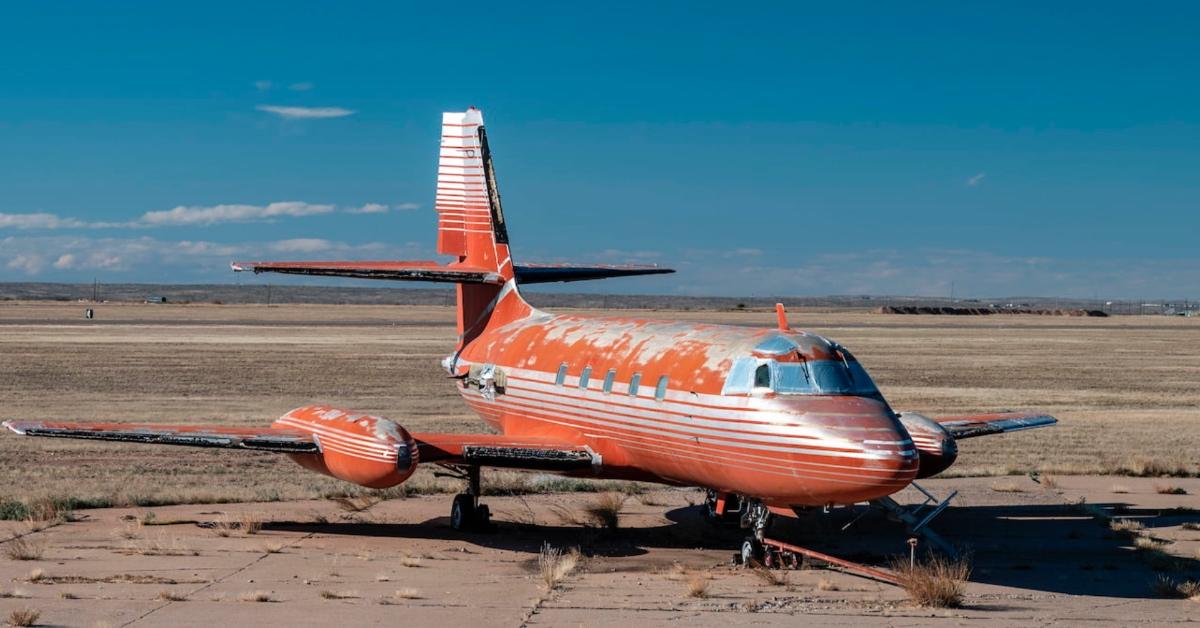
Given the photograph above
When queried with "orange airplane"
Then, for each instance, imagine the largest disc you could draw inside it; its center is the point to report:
(770, 421)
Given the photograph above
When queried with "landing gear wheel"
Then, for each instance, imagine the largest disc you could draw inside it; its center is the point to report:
(483, 517)
(752, 552)
(463, 514)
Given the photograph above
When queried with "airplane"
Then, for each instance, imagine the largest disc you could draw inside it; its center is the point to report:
(771, 421)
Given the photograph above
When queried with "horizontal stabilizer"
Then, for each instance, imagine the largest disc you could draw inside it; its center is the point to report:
(546, 273)
(257, 438)
(425, 270)
(961, 427)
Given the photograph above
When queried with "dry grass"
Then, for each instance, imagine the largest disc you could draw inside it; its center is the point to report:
(274, 547)
(937, 582)
(1169, 489)
(1049, 481)
(698, 584)
(825, 584)
(256, 596)
(1126, 526)
(339, 595)
(36, 575)
(161, 545)
(357, 503)
(24, 548)
(407, 594)
(171, 596)
(1167, 586)
(604, 510)
(773, 577)
(1119, 489)
(1191, 525)
(24, 617)
(1007, 487)
(408, 560)
(555, 565)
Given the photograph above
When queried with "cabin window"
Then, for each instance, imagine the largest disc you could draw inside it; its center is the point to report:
(608, 380)
(660, 392)
(584, 377)
(762, 376)
(562, 375)
(634, 383)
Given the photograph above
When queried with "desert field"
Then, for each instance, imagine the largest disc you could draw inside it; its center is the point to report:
(1125, 389)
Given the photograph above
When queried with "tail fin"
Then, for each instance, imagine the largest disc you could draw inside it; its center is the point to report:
(471, 223)
(470, 217)
(471, 228)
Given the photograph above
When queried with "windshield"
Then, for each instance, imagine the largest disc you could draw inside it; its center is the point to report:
(839, 375)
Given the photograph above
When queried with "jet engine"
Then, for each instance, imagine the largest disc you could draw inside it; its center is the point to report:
(935, 445)
(367, 450)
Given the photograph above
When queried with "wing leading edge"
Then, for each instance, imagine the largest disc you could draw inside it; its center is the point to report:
(429, 270)
(260, 439)
(970, 426)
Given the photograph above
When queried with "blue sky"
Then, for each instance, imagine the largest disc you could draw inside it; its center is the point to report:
(761, 149)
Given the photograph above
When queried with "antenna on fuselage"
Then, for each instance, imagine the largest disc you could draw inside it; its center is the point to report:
(781, 318)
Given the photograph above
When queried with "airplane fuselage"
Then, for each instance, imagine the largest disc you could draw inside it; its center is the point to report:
(676, 402)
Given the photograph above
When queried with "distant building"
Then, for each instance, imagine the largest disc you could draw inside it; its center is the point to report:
(156, 299)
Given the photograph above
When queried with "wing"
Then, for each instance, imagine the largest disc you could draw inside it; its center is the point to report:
(970, 426)
(498, 450)
(489, 450)
(426, 270)
(280, 440)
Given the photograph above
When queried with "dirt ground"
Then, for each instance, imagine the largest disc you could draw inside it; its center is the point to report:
(1126, 390)
(1037, 559)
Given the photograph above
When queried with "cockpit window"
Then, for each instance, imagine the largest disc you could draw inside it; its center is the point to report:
(762, 376)
(840, 375)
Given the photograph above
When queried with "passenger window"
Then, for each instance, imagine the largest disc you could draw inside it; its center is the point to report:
(562, 375)
(608, 380)
(762, 376)
(634, 383)
(584, 377)
(660, 392)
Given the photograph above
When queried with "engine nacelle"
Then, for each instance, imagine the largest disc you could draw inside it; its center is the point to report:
(367, 450)
(935, 445)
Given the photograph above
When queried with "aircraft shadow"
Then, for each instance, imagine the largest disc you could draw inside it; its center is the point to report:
(1046, 548)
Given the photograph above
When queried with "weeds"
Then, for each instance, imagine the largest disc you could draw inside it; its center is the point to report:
(938, 582)
(697, 585)
(1126, 526)
(1169, 489)
(339, 595)
(24, 617)
(1007, 487)
(411, 561)
(604, 511)
(555, 565)
(257, 596)
(171, 596)
(23, 548)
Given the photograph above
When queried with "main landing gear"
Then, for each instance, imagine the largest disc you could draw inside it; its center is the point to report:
(466, 513)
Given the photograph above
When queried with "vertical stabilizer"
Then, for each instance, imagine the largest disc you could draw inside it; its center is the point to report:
(471, 220)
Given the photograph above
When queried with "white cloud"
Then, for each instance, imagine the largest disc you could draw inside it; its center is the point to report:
(230, 213)
(64, 261)
(301, 245)
(369, 208)
(38, 221)
(263, 86)
(407, 206)
(976, 180)
(30, 264)
(306, 113)
(301, 87)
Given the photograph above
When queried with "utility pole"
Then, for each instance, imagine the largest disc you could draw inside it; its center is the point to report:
(95, 290)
